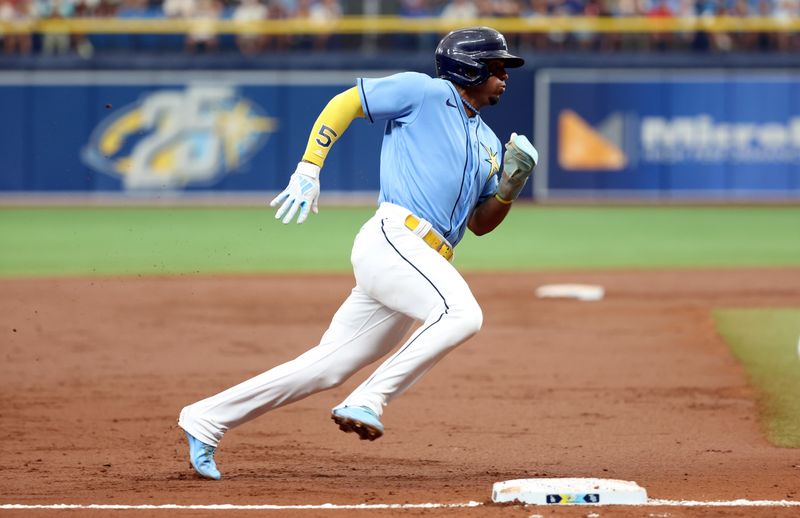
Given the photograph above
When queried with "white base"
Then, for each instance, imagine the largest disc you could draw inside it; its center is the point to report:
(545, 491)
(570, 291)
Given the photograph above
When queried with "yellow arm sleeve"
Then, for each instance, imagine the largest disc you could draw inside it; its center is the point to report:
(331, 123)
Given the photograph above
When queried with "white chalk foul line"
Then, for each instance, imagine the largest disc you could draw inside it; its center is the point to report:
(267, 507)
(724, 503)
(230, 507)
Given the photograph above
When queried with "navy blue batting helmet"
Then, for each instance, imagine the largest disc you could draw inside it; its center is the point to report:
(461, 55)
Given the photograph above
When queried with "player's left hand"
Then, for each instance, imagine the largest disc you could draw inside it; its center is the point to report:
(518, 162)
(301, 194)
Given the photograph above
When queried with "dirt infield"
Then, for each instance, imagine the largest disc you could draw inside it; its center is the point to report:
(637, 386)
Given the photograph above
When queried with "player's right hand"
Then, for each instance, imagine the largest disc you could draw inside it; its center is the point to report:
(301, 194)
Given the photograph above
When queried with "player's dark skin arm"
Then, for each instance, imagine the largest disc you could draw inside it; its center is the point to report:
(487, 216)
(491, 212)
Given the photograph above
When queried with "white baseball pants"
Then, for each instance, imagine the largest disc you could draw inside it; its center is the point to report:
(399, 279)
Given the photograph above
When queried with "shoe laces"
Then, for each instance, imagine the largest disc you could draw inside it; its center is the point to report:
(208, 453)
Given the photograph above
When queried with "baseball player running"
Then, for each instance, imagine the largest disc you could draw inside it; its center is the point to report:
(442, 171)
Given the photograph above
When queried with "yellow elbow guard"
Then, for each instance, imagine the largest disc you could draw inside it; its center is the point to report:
(331, 123)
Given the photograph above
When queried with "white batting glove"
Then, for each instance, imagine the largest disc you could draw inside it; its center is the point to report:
(301, 194)
(518, 162)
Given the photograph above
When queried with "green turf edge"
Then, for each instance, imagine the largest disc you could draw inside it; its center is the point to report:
(766, 342)
(248, 240)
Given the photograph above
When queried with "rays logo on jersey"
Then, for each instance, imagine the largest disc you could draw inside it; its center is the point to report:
(494, 165)
(170, 139)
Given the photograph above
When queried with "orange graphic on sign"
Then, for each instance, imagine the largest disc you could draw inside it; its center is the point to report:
(582, 148)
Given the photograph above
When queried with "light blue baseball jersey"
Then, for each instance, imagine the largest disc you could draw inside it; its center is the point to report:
(435, 160)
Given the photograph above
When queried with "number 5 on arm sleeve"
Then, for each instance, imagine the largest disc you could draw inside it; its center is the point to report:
(331, 123)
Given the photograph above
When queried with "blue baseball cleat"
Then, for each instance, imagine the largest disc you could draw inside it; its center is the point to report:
(358, 419)
(201, 455)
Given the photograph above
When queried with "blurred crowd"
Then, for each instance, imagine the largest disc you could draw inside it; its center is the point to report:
(203, 37)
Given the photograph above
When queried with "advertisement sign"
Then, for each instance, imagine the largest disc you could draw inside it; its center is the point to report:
(147, 132)
(668, 133)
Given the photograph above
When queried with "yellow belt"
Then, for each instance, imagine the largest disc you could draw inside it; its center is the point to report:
(432, 238)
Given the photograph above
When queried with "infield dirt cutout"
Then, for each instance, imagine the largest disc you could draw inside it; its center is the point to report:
(637, 386)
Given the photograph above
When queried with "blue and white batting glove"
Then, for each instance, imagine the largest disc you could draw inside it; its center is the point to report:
(301, 194)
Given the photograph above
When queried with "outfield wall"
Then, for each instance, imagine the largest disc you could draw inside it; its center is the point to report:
(671, 132)
(674, 133)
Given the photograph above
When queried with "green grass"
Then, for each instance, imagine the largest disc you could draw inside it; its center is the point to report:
(150, 240)
(766, 342)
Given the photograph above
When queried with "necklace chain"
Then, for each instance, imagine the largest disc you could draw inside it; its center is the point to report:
(468, 105)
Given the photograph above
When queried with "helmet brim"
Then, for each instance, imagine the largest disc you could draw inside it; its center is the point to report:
(509, 60)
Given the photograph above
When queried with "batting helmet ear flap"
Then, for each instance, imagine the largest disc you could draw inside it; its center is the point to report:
(462, 69)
